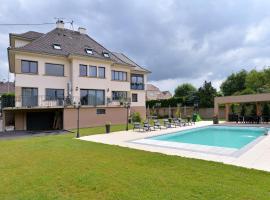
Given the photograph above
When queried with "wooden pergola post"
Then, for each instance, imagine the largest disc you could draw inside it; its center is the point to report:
(227, 111)
(258, 108)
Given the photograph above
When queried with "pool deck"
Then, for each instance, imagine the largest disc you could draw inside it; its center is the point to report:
(256, 156)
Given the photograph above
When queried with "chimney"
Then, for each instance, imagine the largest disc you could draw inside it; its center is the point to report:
(60, 24)
(82, 30)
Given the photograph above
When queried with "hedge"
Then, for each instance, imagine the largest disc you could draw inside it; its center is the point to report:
(167, 102)
(7, 100)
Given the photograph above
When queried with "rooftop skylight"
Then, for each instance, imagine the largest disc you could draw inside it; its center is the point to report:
(57, 46)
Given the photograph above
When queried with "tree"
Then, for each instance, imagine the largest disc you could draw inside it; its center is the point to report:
(206, 95)
(234, 83)
(184, 90)
(255, 80)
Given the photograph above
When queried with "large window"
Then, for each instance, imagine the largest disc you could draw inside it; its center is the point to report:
(93, 71)
(54, 94)
(29, 67)
(83, 70)
(54, 69)
(119, 75)
(119, 95)
(101, 72)
(29, 96)
(92, 97)
(137, 82)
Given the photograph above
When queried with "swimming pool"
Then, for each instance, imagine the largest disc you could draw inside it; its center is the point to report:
(217, 136)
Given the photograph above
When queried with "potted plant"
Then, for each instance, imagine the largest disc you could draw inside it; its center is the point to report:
(108, 127)
(215, 119)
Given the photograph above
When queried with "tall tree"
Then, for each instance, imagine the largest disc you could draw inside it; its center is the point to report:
(255, 80)
(206, 95)
(234, 83)
(185, 91)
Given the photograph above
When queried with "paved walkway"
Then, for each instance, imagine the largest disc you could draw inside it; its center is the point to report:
(257, 156)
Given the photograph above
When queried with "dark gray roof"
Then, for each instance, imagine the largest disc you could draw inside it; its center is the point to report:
(71, 42)
(30, 35)
(127, 60)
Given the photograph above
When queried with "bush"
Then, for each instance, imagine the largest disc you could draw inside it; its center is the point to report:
(7, 100)
(164, 103)
(266, 110)
(136, 117)
(197, 117)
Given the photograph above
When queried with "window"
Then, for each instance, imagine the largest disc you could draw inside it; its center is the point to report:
(119, 95)
(134, 97)
(54, 94)
(57, 46)
(106, 54)
(83, 70)
(101, 72)
(92, 97)
(89, 51)
(101, 111)
(29, 67)
(93, 71)
(29, 96)
(54, 69)
(119, 75)
(137, 82)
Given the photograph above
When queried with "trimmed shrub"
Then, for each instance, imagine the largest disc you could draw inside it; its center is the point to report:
(7, 100)
(136, 117)
(197, 117)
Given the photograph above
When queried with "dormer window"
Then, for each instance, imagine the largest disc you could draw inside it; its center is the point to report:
(106, 54)
(89, 51)
(57, 46)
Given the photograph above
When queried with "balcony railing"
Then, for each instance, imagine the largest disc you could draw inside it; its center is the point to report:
(137, 86)
(45, 102)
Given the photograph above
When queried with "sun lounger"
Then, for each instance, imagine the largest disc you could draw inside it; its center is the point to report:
(157, 125)
(138, 126)
(147, 126)
(176, 122)
(167, 124)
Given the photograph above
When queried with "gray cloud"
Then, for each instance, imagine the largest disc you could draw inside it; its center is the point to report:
(176, 40)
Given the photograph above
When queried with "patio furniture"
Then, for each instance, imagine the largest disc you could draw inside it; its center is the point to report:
(147, 126)
(183, 122)
(167, 124)
(157, 125)
(138, 126)
(176, 122)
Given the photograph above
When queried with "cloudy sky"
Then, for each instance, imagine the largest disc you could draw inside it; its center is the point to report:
(179, 41)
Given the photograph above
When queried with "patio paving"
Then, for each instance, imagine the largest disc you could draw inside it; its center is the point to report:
(257, 156)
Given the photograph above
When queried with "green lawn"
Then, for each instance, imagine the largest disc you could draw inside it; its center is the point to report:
(59, 167)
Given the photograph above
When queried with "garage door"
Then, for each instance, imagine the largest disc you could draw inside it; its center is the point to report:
(40, 120)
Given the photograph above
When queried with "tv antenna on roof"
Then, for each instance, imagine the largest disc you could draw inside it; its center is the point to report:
(62, 19)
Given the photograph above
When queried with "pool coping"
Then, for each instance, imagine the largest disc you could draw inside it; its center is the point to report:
(204, 148)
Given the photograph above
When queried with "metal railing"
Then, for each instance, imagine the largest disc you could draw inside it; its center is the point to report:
(137, 86)
(45, 101)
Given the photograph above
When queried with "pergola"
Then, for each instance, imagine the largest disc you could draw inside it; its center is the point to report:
(250, 98)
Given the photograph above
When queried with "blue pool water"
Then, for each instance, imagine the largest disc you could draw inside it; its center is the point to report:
(220, 136)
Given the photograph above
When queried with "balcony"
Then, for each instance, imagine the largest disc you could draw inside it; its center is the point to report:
(137, 86)
(37, 101)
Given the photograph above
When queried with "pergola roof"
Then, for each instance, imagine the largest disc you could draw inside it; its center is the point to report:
(250, 98)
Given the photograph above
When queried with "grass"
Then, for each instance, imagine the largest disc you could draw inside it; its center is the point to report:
(60, 167)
